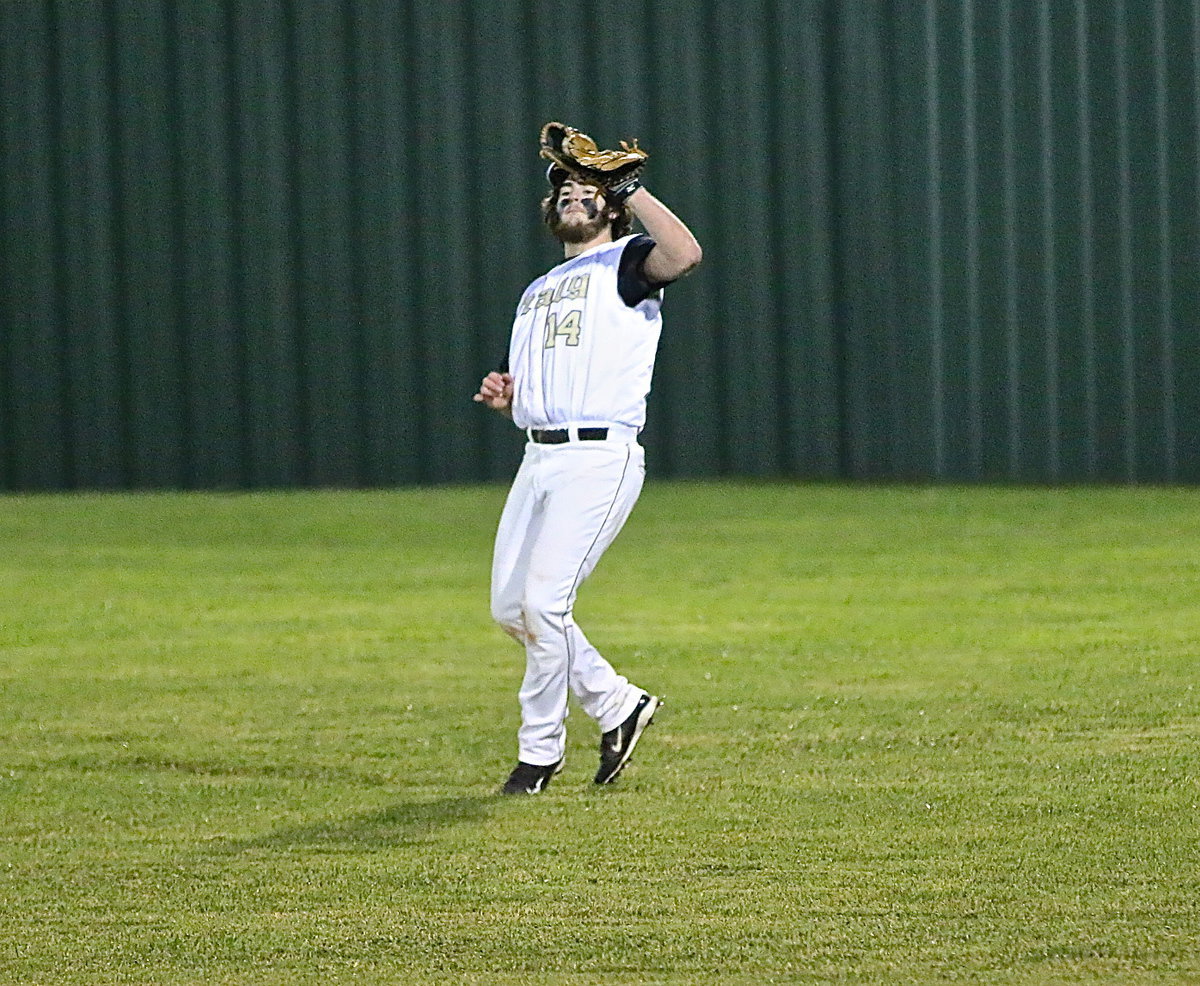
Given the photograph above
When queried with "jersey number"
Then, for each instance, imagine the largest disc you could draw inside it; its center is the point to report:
(567, 327)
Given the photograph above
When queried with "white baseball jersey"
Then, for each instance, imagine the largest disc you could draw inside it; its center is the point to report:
(579, 355)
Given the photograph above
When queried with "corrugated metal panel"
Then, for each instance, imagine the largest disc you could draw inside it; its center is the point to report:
(1047, 234)
(250, 244)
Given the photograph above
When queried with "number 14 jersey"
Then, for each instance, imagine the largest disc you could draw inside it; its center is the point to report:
(581, 353)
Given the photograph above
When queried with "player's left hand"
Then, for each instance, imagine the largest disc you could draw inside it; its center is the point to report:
(574, 152)
(495, 390)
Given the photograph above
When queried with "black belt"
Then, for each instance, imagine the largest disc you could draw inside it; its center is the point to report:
(556, 436)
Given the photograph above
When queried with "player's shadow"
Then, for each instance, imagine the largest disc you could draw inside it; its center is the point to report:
(398, 825)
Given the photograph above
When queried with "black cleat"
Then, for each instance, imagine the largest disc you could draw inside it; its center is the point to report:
(530, 778)
(616, 746)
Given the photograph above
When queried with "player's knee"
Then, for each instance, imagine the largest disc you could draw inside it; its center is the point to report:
(514, 628)
(511, 619)
(544, 607)
(506, 609)
(518, 632)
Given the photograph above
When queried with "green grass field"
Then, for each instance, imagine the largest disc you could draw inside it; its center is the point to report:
(912, 735)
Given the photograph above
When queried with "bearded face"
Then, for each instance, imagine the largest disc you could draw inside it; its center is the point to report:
(580, 212)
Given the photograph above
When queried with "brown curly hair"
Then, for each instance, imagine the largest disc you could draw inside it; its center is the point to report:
(621, 223)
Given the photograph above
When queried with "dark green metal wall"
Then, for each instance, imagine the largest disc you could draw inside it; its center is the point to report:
(260, 243)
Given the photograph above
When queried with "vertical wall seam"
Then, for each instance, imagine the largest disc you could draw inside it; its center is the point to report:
(837, 264)
(1011, 312)
(477, 342)
(7, 315)
(778, 291)
(884, 101)
(181, 328)
(67, 395)
(121, 299)
(1125, 211)
(1087, 236)
(1049, 252)
(933, 151)
(420, 420)
(237, 207)
(974, 328)
(292, 115)
(721, 343)
(1194, 218)
(1165, 286)
(351, 77)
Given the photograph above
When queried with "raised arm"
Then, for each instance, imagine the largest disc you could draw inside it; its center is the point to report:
(675, 248)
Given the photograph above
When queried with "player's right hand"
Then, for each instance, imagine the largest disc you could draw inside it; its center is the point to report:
(495, 390)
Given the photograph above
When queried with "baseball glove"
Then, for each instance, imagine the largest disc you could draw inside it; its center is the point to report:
(575, 153)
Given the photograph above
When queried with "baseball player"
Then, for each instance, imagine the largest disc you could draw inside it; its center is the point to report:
(576, 378)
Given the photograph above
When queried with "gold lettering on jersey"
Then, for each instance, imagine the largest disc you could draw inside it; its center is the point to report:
(577, 287)
(566, 327)
(565, 289)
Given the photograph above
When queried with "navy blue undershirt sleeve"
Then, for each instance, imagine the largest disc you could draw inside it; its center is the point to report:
(632, 284)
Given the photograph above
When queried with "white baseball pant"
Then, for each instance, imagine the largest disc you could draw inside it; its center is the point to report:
(567, 504)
